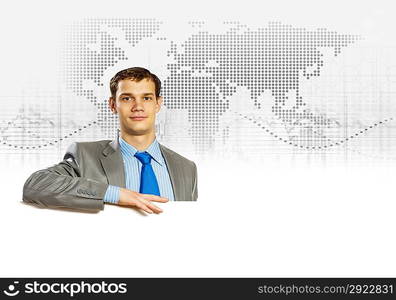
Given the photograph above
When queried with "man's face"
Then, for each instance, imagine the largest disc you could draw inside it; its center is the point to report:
(136, 105)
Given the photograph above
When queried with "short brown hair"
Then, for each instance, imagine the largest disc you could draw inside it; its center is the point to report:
(135, 73)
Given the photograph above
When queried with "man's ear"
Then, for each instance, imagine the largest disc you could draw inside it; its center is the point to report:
(112, 105)
(160, 99)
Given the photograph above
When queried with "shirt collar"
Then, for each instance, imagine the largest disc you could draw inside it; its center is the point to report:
(154, 150)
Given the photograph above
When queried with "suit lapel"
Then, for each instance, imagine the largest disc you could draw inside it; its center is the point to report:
(174, 173)
(113, 164)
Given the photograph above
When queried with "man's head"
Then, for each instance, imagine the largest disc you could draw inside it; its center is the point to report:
(135, 92)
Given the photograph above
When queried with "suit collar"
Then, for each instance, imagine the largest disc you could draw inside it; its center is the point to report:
(111, 147)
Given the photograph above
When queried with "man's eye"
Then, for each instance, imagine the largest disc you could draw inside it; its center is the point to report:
(147, 98)
(126, 98)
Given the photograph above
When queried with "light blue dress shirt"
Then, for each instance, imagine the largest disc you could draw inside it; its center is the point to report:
(133, 167)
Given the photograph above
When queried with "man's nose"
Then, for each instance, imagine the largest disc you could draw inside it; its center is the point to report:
(137, 105)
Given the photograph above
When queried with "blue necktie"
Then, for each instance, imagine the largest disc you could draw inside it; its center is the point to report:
(148, 181)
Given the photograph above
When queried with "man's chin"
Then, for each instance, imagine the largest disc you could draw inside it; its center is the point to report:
(137, 131)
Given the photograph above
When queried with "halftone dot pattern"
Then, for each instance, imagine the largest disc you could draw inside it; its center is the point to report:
(328, 142)
(84, 64)
(202, 78)
(271, 58)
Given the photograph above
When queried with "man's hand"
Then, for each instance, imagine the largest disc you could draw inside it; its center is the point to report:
(142, 201)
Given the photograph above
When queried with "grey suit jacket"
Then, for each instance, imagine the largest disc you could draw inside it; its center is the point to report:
(80, 181)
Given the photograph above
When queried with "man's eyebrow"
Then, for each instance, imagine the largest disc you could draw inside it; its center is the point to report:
(129, 94)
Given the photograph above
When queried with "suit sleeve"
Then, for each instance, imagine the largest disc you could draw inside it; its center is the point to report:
(61, 186)
(195, 184)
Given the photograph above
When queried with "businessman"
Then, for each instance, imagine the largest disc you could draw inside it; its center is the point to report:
(133, 170)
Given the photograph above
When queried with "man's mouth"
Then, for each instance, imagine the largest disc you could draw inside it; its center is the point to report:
(137, 118)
